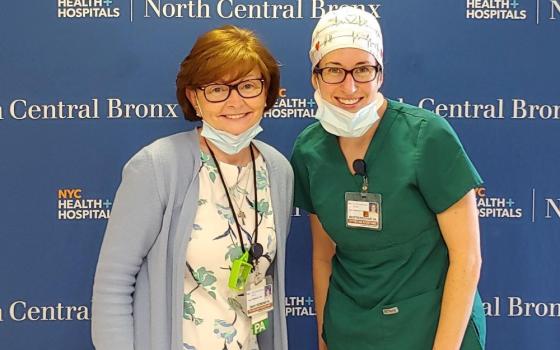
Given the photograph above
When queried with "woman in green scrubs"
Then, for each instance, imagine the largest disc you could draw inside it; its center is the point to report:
(390, 195)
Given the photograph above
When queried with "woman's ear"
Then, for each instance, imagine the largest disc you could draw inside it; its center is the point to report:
(380, 80)
(191, 96)
(314, 81)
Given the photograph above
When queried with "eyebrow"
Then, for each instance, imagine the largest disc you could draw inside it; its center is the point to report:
(356, 64)
(247, 77)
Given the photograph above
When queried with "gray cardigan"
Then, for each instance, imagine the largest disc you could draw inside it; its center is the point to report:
(138, 287)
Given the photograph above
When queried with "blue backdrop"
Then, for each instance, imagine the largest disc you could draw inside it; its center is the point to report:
(85, 84)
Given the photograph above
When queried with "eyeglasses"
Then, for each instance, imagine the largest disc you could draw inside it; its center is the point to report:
(220, 92)
(336, 75)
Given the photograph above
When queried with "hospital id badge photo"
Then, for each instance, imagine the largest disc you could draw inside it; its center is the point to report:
(363, 210)
(259, 297)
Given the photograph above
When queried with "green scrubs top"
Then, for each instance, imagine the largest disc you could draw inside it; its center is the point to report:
(386, 286)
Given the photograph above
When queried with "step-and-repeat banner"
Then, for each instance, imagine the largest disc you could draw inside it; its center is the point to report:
(84, 84)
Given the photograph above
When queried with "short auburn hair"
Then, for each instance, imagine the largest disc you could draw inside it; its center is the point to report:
(226, 51)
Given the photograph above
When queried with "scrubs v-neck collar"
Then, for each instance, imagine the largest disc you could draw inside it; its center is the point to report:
(374, 148)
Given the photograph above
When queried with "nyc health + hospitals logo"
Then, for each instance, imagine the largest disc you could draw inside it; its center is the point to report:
(535, 206)
(291, 107)
(73, 204)
(512, 10)
(87, 9)
(300, 306)
(495, 10)
(492, 206)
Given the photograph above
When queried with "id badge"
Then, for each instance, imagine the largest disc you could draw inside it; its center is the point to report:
(240, 270)
(363, 210)
(259, 297)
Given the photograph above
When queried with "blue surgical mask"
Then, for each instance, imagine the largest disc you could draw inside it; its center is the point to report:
(226, 142)
(340, 122)
(229, 143)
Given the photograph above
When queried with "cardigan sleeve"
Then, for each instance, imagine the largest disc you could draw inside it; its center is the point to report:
(135, 222)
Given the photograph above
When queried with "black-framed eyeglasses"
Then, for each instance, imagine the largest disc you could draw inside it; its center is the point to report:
(220, 92)
(336, 75)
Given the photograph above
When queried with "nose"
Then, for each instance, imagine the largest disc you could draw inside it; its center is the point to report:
(348, 84)
(234, 98)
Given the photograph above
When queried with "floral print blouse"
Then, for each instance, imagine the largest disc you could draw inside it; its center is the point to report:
(214, 316)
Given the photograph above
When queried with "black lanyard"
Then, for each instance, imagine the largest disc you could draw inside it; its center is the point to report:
(256, 249)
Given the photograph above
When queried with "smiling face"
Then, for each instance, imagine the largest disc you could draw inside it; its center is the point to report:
(234, 115)
(348, 95)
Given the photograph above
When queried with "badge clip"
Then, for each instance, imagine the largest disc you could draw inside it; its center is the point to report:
(240, 270)
(364, 186)
(360, 167)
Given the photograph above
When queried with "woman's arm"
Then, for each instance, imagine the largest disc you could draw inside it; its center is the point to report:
(459, 227)
(136, 218)
(323, 251)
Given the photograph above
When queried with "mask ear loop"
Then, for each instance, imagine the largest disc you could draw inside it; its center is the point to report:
(199, 110)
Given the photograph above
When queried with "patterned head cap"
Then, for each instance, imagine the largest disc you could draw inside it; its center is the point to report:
(346, 27)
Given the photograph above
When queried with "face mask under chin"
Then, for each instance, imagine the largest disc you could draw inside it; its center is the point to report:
(340, 122)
